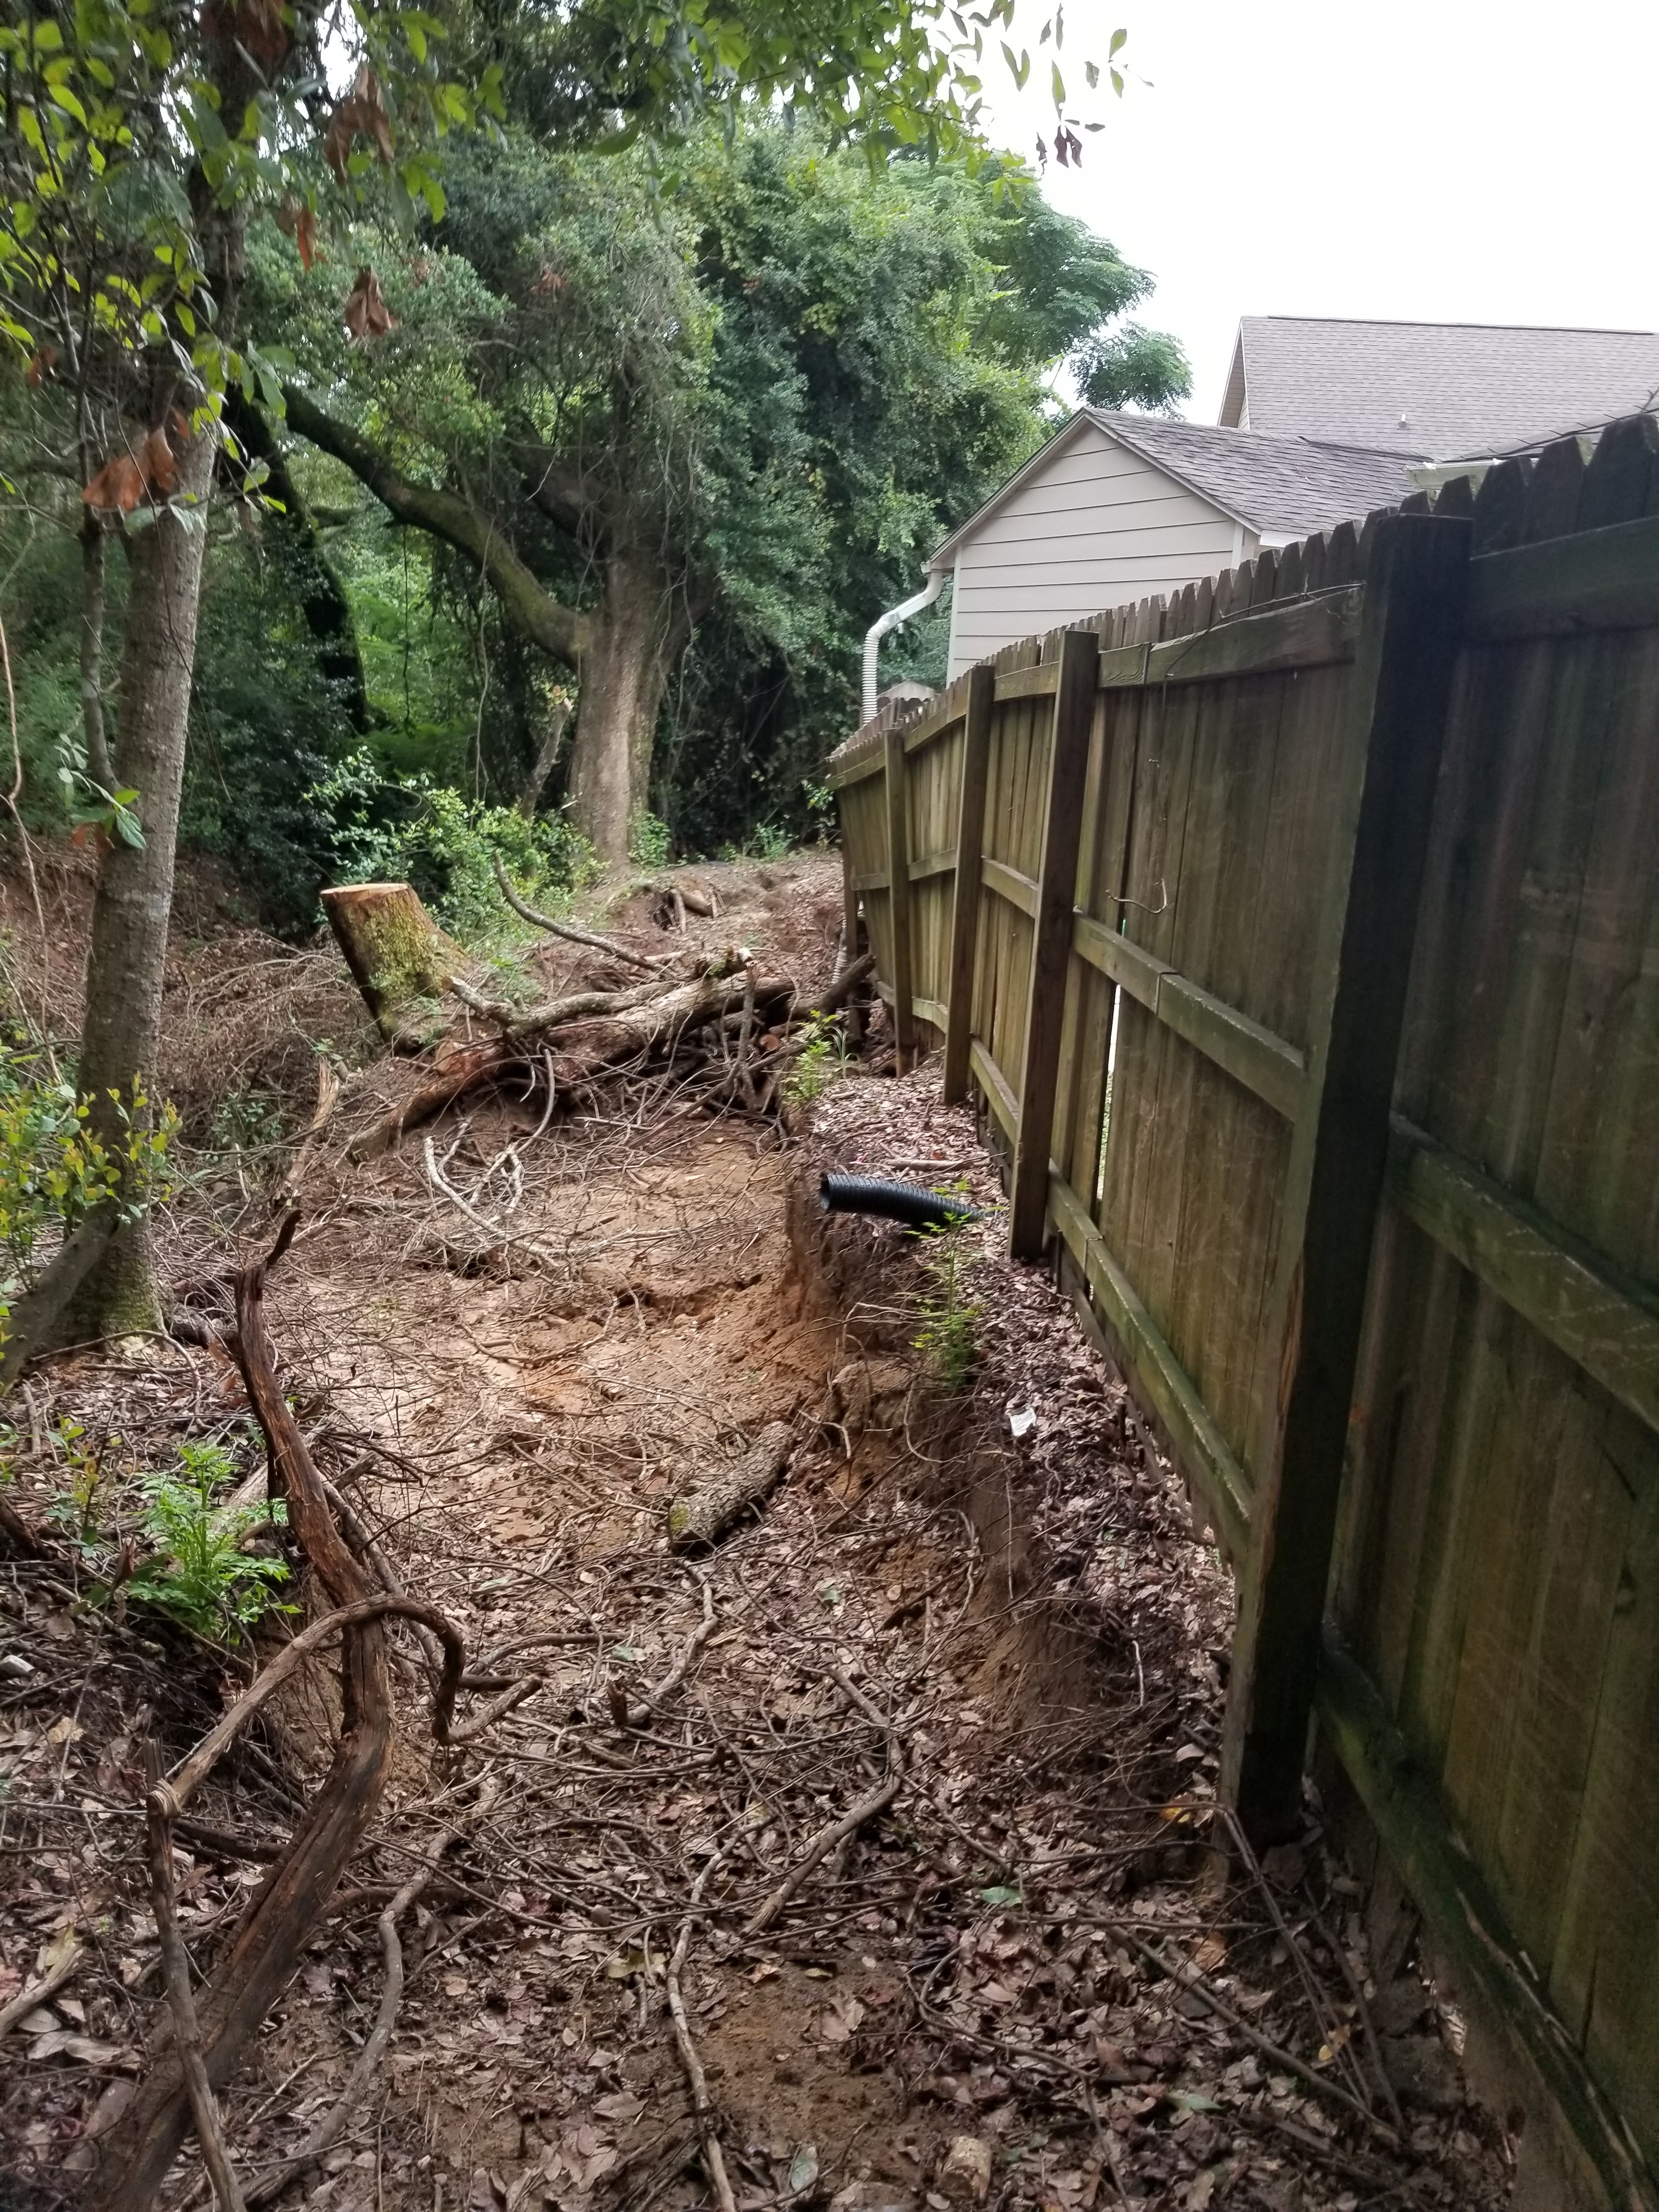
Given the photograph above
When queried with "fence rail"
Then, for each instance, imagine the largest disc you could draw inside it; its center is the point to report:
(1300, 939)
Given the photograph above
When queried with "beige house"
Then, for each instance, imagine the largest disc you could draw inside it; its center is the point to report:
(1323, 421)
(1116, 508)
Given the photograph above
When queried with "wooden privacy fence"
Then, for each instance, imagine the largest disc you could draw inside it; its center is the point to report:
(1300, 939)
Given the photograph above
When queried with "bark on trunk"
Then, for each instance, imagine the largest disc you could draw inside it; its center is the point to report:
(92, 652)
(633, 637)
(135, 884)
(547, 754)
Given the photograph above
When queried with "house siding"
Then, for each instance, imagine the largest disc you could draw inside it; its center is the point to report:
(1097, 527)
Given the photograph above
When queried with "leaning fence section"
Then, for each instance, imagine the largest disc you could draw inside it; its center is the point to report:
(1300, 940)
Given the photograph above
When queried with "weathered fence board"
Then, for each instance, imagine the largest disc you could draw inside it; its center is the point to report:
(1360, 1186)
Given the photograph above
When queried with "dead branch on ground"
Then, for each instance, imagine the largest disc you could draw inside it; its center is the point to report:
(569, 930)
(837, 1831)
(701, 2105)
(705, 1513)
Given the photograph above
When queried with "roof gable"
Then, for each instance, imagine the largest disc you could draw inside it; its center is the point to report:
(1284, 486)
(1435, 391)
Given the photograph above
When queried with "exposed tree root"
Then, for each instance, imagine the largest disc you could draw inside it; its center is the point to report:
(136, 2155)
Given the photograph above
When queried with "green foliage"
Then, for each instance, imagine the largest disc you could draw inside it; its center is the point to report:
(415, 831)
(820, 1060)
(878, 365)
(54, 1170)
(199, 1573)
(647, 841)
(949, 1318)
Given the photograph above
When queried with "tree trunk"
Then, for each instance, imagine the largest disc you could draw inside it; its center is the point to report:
(547, 753)
(92, 652)
(634, 634)
(135, 884)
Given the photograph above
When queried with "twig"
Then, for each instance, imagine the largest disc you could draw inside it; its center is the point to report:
(567, 929)
(36, 1993)
(697, 2081)
(514, 1694)
(175, 1968)
(1305, 1973)
(1357, 1992)
(637, 1716)
(837, 1832)
(177, 1789)
(1191, 1978)
(327, 2130)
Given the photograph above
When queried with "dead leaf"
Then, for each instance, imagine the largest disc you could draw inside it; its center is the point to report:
(64, 2043)
(41, 364)
(1210, 1954)
(118, 487)
(298, 222)
(840, 2019)
(622, 2106)
(366, 314)
(363, 114)
(158, 463)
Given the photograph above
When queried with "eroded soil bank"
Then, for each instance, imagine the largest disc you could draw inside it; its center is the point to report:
(903, 1788)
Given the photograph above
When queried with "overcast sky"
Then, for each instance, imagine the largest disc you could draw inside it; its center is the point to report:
(1446, 160)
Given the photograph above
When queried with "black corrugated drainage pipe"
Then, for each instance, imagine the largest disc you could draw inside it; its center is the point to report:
(896, 1201)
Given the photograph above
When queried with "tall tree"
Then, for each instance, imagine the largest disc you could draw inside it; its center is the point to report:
(761, 392)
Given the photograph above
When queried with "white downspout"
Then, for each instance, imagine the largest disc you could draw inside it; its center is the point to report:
(878, 629)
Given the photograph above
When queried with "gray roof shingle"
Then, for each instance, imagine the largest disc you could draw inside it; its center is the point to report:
(1292, 485)
(1435, 390)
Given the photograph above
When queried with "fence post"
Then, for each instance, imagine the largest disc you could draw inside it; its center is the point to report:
(898, 895)
(1051, 940)
(1414, 580)
(970, 853)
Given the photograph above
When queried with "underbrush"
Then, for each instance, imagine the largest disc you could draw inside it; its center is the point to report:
(55, 1171)
(415, 831)
(163, 1540)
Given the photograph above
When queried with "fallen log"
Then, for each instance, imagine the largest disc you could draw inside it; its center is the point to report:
(703, 1514)
(399, 958)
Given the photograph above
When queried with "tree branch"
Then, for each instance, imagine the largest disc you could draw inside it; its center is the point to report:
(545, 621)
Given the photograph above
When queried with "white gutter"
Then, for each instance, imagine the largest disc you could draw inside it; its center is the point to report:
(878, 629)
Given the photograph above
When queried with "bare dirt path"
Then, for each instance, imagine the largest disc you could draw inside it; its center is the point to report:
(890, 1816)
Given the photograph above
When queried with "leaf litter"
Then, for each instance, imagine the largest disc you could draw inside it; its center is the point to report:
(905, 1789)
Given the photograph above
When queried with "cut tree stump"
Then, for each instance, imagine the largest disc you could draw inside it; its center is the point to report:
(400, 958)
(704, 1514)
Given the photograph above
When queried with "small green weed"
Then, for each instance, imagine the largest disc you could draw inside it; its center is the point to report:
(948, 1338)
(199, 1573)
(820, 1060)
(76, 1508)
(246, 1121)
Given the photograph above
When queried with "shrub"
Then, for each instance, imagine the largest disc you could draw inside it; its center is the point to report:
(413, 831)
(948, 1337)
(54, 1171)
